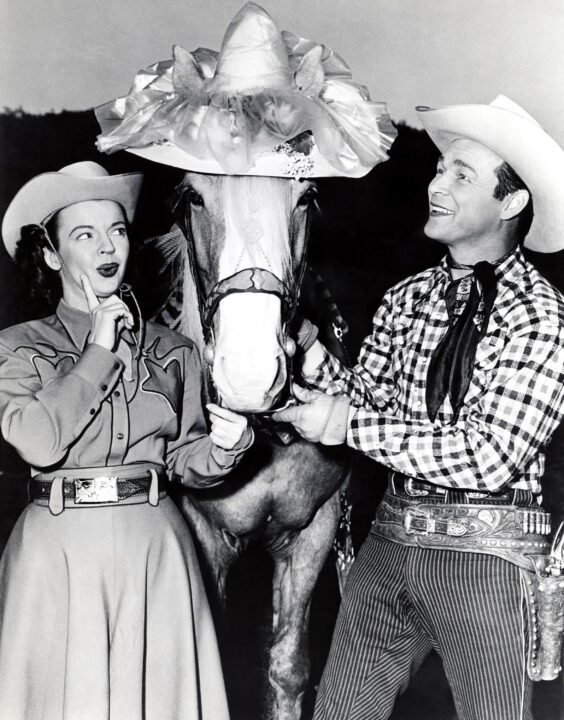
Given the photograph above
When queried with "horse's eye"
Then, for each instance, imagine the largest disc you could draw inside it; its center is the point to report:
(308, 197)
(194, 198)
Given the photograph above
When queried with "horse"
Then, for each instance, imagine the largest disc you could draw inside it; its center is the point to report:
(238, 253)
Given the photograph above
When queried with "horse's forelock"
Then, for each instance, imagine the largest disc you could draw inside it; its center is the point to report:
(257, 214)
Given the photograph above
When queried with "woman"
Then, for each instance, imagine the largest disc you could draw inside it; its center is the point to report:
(102, 610)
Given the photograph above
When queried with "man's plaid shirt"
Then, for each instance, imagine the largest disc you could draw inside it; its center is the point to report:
(514, 402)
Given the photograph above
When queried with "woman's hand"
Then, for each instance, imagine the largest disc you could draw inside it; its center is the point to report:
(107, 318)
(228, 428)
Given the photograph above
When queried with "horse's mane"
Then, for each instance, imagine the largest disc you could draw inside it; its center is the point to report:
(179, 309)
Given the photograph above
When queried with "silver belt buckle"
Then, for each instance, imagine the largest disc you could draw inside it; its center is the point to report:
(420, 522)
(103, 489)
(412, 521)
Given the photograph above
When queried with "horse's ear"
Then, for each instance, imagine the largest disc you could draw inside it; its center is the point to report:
(309, 76)
(186, 76)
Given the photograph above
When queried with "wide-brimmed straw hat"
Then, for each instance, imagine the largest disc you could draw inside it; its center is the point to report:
(509, 131)
(269, 103)
(45, 194)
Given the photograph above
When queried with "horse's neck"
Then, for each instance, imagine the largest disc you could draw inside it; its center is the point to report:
(181, 308)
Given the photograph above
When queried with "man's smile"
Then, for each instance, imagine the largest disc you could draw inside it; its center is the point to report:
(436, 210)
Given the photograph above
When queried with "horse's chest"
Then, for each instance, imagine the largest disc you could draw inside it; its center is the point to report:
(280, 489)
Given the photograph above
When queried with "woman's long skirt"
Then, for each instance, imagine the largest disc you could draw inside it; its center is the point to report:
(103, 616)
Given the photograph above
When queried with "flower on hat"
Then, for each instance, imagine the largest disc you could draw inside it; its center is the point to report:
(264, 89)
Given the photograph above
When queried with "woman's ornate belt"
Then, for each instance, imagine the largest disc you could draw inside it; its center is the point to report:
(99, 486)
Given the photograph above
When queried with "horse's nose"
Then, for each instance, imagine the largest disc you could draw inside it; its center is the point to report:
(249, 365)
(248, 383)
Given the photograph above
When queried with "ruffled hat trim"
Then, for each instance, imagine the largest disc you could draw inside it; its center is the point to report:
(267, 95)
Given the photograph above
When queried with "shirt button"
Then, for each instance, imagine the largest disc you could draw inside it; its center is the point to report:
(418, 403)
(119, 436)
(116, 394)
(103, 387)
(116, 366)
(92, 412)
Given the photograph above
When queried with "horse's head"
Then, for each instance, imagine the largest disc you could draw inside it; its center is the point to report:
(247, 238)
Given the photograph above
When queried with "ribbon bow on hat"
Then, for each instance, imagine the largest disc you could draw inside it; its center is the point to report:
(269, 103)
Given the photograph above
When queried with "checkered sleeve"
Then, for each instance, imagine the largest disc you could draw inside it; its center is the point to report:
(498, 433)
(368, 383)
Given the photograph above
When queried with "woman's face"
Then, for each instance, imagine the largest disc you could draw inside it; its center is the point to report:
(92, 240)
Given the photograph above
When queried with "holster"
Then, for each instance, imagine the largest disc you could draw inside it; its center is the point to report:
(545, 605)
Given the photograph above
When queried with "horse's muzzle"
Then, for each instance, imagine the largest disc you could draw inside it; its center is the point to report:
(247, 385)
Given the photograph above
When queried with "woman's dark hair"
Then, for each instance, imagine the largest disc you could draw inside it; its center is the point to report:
(43, 285)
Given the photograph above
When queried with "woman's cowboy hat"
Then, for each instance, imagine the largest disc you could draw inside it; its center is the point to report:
(49, 192)
(506, 129)
(269, 103)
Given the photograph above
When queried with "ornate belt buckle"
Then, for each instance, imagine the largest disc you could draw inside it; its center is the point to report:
(416, 522)
(103, 489)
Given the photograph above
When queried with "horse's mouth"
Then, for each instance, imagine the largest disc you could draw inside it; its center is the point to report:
(251, 406)
(251, 391)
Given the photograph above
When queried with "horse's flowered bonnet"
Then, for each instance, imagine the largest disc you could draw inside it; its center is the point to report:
(269, 103)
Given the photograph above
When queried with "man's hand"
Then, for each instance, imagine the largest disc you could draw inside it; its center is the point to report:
(311, 349)
(228, 428)
(306, 335)
(321, 418)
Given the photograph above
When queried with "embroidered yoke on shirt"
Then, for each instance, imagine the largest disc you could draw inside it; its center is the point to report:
(514, 402)
(66, 403)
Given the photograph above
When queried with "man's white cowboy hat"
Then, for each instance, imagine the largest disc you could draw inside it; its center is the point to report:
(45, 194)
(269, 103)
(509, 131)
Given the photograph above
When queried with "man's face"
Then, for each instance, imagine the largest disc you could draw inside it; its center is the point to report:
(462, 208)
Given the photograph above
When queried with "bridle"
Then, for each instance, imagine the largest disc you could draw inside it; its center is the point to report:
(249, 280)
(253, 280)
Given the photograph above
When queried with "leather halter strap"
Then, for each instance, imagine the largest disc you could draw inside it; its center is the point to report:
(249, 280)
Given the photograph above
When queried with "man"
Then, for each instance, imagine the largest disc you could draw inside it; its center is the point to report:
(457, 391)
